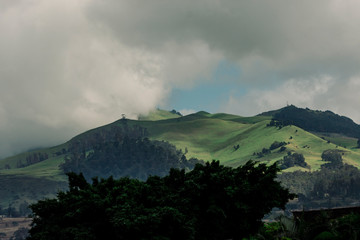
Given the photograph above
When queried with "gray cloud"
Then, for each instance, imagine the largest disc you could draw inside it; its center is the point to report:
(303, 37)
(273, 42)
(66, 66)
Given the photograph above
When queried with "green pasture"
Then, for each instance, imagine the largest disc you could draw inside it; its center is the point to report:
(213, 136)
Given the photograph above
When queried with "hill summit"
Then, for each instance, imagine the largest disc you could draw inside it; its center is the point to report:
(315, 120)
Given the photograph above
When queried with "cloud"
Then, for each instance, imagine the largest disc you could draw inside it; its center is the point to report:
(302, 93)
(293, 38)
(67, 66)
(62, 73)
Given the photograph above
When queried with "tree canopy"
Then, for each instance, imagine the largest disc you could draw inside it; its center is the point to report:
(210, 202)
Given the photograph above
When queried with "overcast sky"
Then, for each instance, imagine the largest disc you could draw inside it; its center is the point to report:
(70, 65)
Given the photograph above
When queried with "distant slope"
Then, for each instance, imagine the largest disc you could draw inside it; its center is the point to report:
(315, 121)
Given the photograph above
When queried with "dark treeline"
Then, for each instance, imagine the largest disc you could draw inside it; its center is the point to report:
(124, 151)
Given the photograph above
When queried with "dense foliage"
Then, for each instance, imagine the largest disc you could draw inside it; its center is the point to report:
(209, 202)
(123, 151)
(336, 184)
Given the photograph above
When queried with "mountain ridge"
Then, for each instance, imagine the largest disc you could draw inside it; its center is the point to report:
(231, 139)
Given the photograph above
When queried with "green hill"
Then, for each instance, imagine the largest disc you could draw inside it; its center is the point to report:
(231, 139)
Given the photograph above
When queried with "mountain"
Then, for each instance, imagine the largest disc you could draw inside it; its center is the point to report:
(181, 141)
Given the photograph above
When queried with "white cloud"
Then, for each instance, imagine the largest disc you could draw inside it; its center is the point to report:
(66, 66)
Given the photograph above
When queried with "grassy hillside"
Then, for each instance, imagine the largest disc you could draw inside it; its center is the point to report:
(209, 137)
(13, 161)
(48, 169)
(231, 139)
(213, 136)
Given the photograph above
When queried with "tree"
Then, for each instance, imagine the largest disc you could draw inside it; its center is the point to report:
(210, 202)
(333, 157)
(291, 160)
(276, 145)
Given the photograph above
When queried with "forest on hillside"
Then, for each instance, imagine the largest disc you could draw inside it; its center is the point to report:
(124, 151)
